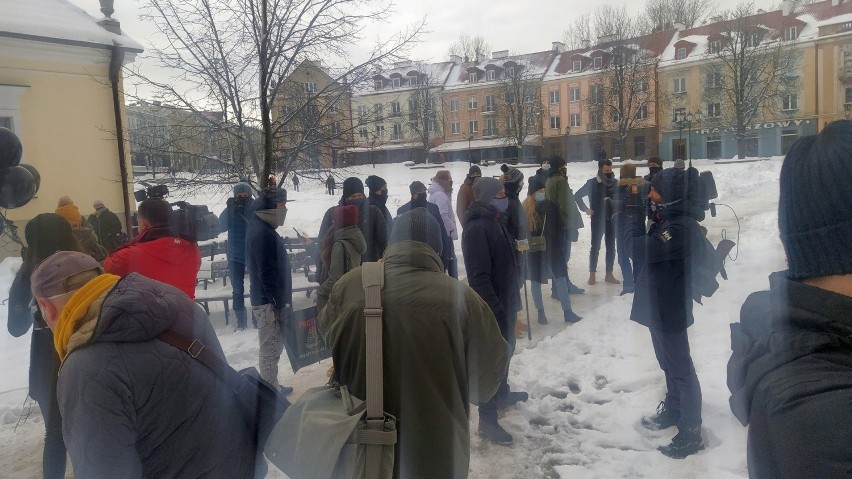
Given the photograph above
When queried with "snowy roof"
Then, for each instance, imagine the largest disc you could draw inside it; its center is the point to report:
(57, 21)
(535, 64)
(437, 74)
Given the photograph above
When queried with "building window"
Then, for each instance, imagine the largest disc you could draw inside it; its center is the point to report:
(397, 132)
(679, 113)
(397, 82)
(714, 147)
(379, 110)
(595, 94)
(554, 97)
(490, 127)
(788, 137)
(489, 103)
(530, 120)
(554, 123)
(413, 81)
(380, 131)
(454, 104)
(643, 85)
(378, 84)
(455, 127)
(432, 125)
(490, 75)
(715, 47)
(616, 116)
(335, 128)
(680, 54)
(529, 96)
(510, 98)
(574, 94)
(752, 40)
(790, 33)
(597, 63)
(680, 85)
(790, 102)
(848, 95)
(473, 126)
(639, 145)
(714, 80)
(334, 107)
(362, 134)
(714, 110)
(642, 112)
(6, 122)
(594, 122)
(471, 77)
(575, 119)
(510, 72)
(510, 122)
(396, 109)
(310, 87)
(751, 145)
(362, 111)
(471, 103)
(576, 66)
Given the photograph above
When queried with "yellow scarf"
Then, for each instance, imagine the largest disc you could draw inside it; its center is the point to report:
(75, 310)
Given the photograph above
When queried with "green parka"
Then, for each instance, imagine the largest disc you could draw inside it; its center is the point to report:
(559, 191)
(349, 245)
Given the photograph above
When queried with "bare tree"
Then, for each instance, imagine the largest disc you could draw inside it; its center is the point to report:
(751, 74)
(662, 15)
(425, 114)
(611, 21)
(579, 34)
(470, 47)
(233, 56)
(521, 106)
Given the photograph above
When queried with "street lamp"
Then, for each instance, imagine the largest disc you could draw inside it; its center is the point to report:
(565, 142)
(372, 145)
(685, 121)
(469, 156)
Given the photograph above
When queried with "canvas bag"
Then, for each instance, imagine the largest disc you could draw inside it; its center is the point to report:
(328, 433)
(539, 243)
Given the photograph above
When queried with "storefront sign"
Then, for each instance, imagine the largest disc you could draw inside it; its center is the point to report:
(760, 126)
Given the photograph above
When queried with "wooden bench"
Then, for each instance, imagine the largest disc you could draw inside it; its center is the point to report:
(226, 296)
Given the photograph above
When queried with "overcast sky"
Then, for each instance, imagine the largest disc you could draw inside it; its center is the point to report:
(521, 26)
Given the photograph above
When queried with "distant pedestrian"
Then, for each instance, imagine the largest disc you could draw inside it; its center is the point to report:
(295, 182)
(341, 250)
(418, 200)
(107, 227)
(655, 165)
(680, 164)
(602, 155)
(790, 373)
(599, 190)
(330, 184)
(82, 230)
(440, 194)
(465, 196)
(235, 219)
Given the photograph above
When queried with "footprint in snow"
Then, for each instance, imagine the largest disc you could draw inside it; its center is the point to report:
(574, 387)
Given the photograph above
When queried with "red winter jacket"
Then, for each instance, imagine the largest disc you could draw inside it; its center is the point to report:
(156, 255)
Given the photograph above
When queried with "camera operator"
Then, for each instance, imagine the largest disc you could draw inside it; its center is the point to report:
(157, 252)
(234, 220)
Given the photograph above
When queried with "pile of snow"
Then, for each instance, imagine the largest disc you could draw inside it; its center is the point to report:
(589, 383)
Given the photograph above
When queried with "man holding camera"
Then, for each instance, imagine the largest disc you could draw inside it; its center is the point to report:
(157, 252)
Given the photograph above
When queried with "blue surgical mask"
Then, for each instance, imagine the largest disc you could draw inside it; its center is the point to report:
(545, 166)
(539, 196)
(500, 204)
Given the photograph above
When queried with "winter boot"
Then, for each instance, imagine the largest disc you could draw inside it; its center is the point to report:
(592, 279)
(626, 291)
(571, 317)
(494, 432)
(574, 289)
(611, 279)
(542, 318)
(686, 443)
(511, 398)
(664, 419)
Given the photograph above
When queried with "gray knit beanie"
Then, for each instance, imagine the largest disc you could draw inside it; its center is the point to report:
(417, 225)
(485, 189)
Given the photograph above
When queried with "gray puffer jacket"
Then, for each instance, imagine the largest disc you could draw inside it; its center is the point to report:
(133, 406)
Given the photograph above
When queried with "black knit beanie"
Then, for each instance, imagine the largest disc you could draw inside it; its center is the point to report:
(669, 184)
(417, 225)
(375, 183)
(351, 186)
(814, 212)
(536, 184)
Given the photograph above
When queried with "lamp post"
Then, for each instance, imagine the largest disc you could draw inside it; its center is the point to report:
(372, 145)
(469, 156)
(685, 121)
(565, 142)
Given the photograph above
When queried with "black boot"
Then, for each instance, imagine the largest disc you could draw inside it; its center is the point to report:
(571, 317)
(494, 432)
(664, 419)
(542, 318)
(511, 398)
(686, 443)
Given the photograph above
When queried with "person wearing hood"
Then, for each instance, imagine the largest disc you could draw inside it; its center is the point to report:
(663, 299)
(156, 253)
(418, 200)
(234, 219)
(492, 271)
(655, 165)
(371, 221)
(270, 282)
(107, 227)
(439, 194)
(439, 355)
(465, 196)
(790, 371)
(341, 250)
(600, 189)
(82, 230)
(516, 218)
(131, 404)
(559, 191)
(379, 197)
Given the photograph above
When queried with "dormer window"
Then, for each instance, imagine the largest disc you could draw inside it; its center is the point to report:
(715, 47)
(576, 66)
(752, 40)
(412, 81)
(510, 72)
(790, 33)
(680, 53)
(471, 77)
(396, 82)
(597, 63)
(490, 75)
(378, 85)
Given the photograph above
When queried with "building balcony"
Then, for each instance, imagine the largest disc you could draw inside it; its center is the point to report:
(489, 110)
(490, 132)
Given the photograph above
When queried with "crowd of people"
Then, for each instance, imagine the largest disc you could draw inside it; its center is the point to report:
(97, 306)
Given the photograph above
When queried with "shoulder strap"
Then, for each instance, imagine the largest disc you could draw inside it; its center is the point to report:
(373, 278)
(197, 349)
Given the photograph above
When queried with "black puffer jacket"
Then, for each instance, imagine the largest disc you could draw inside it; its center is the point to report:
(790, 377)
(133, 406)
(372, 224)
(489, 258)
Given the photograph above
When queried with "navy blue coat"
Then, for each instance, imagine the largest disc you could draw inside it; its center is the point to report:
(267, 261)
(662, 266)
(235, 219)
(489, 258)
(447, 253)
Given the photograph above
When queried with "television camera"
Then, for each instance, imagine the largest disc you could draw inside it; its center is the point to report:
(192, 222)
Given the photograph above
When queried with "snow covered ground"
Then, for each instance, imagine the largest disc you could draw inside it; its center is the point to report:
(589, 383)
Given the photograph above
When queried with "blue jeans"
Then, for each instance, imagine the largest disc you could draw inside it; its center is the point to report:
(561, 293)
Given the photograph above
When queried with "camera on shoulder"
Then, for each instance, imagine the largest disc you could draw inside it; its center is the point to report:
(192, 222)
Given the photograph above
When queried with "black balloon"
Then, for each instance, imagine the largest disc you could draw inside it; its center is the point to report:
(10, 149)
(33, 171)
(17, 187)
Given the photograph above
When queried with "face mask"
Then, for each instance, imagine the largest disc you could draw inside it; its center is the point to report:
(545, 166)
(500, 204)
(655, 169)
(609, 175)
(280, 215)
(564, 170)
(383, 198)
(539, 196)
(420, 199)
(358, 203)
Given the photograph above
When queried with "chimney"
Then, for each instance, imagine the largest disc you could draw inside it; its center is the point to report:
(679, 26)
(559, 47)
(500, 55)
(480, 57)
(788, 7)
(836, 3)
(586, 43)
(456, 59)
(606, 38)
